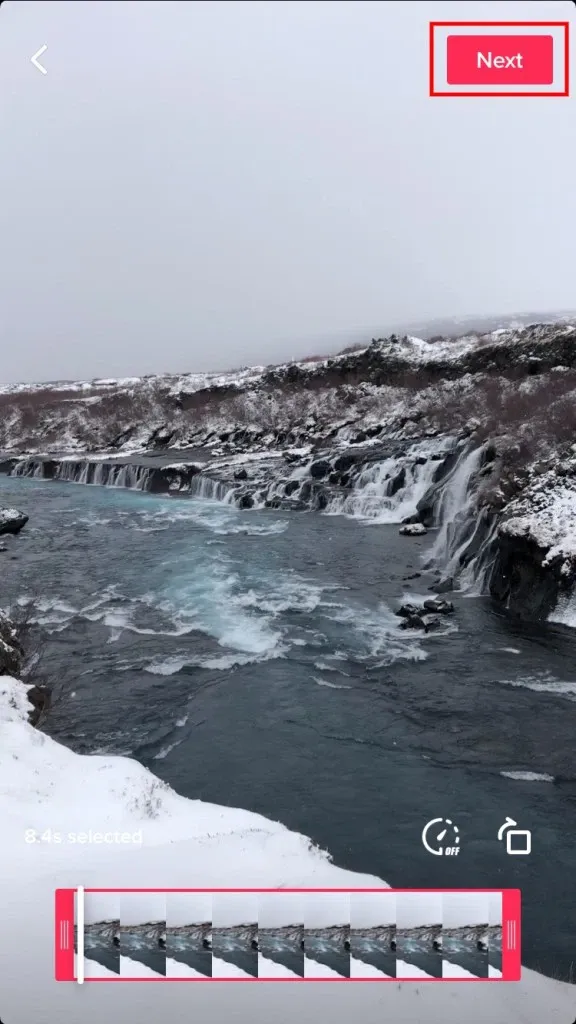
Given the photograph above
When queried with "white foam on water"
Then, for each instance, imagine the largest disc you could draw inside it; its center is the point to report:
(324, 666)
(167, 666)
(510, 650)
(254, 529)
(378, 635)
(331, 686)
(167, 750)
(284, 596)
(564, 614)
(528, 776)
(544, 682)
(171, 665)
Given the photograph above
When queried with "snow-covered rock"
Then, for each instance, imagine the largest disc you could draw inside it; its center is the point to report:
(545, 514)
(413, 530)
(12, 520)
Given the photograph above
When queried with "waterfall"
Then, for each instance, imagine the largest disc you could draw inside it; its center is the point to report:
(133, 477)
(29, 467)
(390, 490)
(212, 490)
(84, 471)
(477, 570)
(454, 512)
(129, 476)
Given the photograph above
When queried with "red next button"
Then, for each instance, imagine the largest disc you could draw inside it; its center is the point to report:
(500, 60)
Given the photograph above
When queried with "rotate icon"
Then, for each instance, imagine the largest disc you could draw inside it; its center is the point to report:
(518, 840)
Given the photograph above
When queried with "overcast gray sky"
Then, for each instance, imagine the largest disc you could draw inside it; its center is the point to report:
(197, 185)
(372, 909)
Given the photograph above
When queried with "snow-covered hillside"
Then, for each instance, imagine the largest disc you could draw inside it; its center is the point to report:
(371, 433)
(51, 794)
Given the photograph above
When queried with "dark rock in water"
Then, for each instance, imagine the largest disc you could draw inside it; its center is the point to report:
(438, 606)
(345, 480)
(443, 586)
(320, 501)
(320, 469)
(345, 462)
(431, 622)
(12, 520)
(3, 547)
(240, 474)
(414, 518)
(408, 610)
(412, 576)
(414, 621)
(246, 501)
(334, 478)
(360, 437)
(291, 486)
(269, 503)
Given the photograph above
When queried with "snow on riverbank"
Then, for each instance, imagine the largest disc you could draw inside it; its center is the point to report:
(44, 786)
(545, 514)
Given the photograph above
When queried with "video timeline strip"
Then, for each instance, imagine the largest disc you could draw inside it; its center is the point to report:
(287, 935)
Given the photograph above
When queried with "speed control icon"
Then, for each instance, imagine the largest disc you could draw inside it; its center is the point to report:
(441, 838)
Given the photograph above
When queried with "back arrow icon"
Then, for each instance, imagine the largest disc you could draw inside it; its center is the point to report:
(36, 62)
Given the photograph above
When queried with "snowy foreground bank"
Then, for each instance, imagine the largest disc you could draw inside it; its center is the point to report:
(44, 786)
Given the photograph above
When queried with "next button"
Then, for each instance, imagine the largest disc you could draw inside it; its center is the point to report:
(500, 60)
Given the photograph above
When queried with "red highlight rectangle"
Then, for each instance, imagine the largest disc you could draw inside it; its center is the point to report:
(459, 72)
(511, 929)
(511, 936)
(500, 60)
(64, 935)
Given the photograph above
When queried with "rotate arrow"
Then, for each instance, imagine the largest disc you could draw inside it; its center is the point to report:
(507, 824)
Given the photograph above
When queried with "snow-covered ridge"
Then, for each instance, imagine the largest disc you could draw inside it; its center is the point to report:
(334, 435)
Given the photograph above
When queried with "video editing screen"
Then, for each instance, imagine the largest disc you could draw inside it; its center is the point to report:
(287, 512)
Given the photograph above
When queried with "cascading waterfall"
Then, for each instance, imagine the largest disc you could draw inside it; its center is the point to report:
(479, 556)
(465, 545)
(212, 490)
(103, 474)
(128, 475)
(454, 512)
(84, 471)
(389, 491)
(29, 467)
